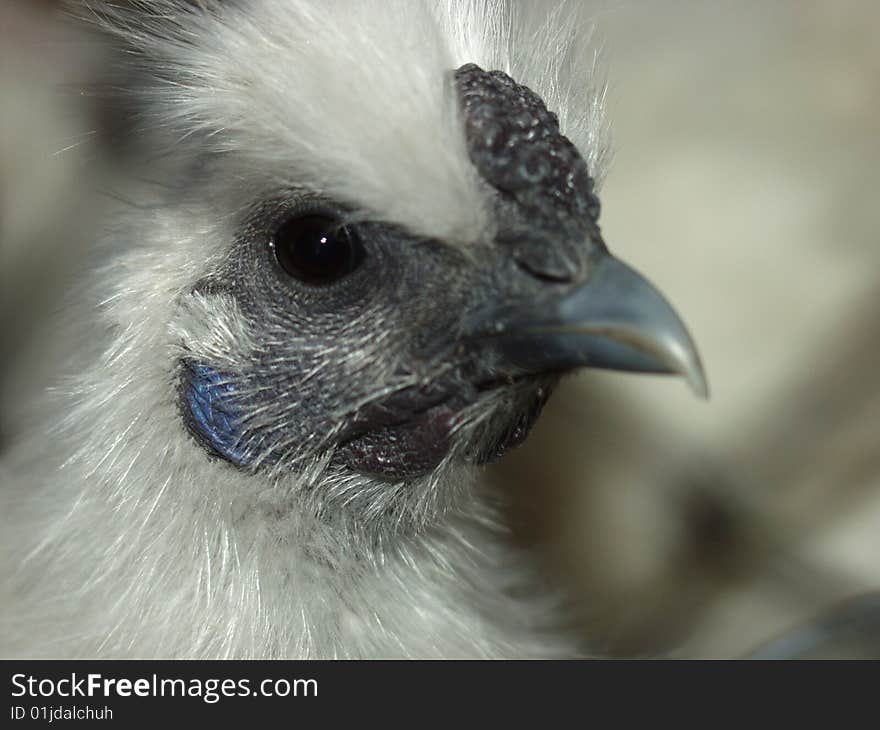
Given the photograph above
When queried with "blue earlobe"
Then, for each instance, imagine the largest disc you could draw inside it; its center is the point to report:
(210, 411)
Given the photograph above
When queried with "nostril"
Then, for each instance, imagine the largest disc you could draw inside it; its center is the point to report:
(552, 262)
(554, 255)
(551, 275)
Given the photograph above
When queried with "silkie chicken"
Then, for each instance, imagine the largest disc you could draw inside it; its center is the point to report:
(357, 249)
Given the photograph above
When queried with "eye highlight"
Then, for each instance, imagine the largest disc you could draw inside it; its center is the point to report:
(317, 249)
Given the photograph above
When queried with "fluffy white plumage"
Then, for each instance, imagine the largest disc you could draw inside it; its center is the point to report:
(119, 536)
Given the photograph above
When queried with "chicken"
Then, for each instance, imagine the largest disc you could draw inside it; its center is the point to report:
(348, 268)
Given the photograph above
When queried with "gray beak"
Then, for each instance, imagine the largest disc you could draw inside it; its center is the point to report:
(616, 320)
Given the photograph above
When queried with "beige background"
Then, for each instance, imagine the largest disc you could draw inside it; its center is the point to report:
(744, 184)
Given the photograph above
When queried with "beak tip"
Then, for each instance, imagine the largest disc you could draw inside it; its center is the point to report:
(696, 380)
(682, 358)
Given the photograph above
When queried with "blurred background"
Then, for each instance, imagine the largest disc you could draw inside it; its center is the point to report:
(747, 150)
(747, 160)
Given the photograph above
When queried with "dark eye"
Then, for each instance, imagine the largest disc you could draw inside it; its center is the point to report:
(317, 249)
